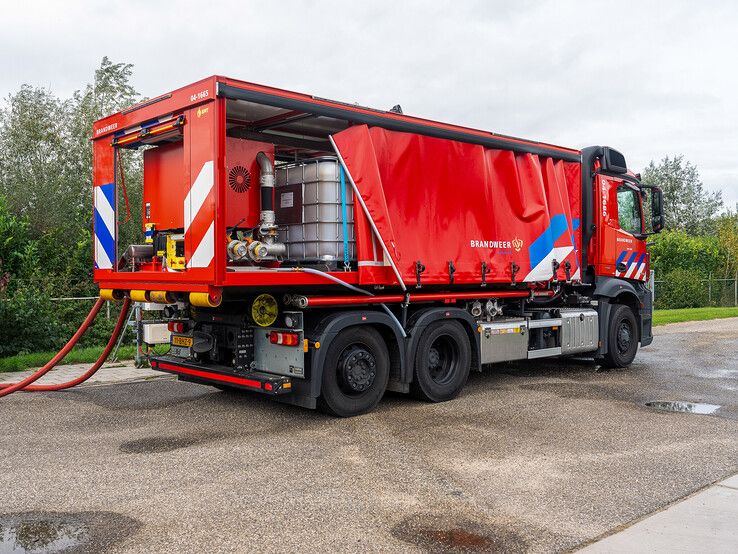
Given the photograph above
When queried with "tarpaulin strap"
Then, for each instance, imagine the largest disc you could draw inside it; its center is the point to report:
(344, 221)
(123, 184)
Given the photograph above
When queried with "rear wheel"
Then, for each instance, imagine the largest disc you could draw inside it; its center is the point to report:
(622, 337)
(442, 362)
(355, 373)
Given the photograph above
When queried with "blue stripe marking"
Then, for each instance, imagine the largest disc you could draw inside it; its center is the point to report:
(103, 235)
(540, 247)
(640, 260)
(632, 258)
(109, 191)
(621, 257)
(574, 223)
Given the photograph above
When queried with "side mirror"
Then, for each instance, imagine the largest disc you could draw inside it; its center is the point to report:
(657, 206)
(613, 161)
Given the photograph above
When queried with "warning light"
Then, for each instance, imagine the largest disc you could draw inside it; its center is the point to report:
(284, 338)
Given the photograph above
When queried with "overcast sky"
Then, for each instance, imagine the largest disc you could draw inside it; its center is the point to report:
(649, 78)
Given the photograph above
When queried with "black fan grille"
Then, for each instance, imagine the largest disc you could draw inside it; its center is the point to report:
(239, 178)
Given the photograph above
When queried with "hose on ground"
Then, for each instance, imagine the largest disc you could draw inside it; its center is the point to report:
(26, 385)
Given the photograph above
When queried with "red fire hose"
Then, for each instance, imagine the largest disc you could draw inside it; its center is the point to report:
(25, 384)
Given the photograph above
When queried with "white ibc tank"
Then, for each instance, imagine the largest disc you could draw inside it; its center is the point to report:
(308, 206)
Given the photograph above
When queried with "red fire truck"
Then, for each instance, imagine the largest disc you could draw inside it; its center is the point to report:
(324, 252)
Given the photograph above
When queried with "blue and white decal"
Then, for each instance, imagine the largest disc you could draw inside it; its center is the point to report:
(543, 250)
(104, 225)
(635, 264)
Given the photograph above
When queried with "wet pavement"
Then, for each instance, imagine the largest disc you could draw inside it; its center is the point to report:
(532, 457)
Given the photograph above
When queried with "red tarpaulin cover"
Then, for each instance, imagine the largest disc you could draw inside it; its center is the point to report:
(438, 201)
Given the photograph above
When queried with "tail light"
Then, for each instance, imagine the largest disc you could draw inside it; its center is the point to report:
(177, 326)
(284, 338)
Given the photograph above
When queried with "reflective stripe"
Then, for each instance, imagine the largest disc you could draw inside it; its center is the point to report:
(198, 193)
(203, 254)
(104, 225)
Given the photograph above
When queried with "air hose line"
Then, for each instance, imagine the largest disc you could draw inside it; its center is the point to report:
(26, 384)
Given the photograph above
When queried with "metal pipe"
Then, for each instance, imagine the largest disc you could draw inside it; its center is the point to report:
(357, 195)
(266, 181)
(319, 301)
(348, 286)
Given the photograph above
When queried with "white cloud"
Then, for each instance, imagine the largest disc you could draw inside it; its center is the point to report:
(650, 78)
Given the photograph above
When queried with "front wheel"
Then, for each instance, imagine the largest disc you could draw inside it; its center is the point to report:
(622, 337)
(355, 373)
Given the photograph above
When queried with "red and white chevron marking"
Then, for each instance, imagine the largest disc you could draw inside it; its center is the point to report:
(199, 217)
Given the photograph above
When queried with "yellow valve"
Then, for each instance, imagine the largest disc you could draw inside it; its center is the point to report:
(205, 299)
(139, 295)
(162, 297)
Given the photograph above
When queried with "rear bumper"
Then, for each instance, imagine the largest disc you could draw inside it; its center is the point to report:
(266, 383)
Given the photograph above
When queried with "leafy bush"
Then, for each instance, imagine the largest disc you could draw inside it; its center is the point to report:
(681, 288)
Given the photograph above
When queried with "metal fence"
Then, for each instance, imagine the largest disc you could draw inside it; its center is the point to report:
(718, 292)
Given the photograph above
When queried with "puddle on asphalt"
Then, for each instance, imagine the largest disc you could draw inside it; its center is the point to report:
(40, 535)
(685, 407)
(35, 532)
(438, 534)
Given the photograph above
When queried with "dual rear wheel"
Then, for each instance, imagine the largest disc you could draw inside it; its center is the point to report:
(357, 367)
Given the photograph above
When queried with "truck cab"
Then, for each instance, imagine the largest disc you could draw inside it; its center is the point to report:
(625, 212)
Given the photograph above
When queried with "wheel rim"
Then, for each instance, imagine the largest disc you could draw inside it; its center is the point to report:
(443, 358)
(624, 336)
(357, 370)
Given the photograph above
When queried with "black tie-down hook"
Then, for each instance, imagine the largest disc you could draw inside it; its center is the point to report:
(451, 271)
(419, 269)
(485, 269)
(514, 268)
(567, 270)
(555, 266)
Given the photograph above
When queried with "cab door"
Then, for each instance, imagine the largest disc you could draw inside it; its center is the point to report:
(621, 246)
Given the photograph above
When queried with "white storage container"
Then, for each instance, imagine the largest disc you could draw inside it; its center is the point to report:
(309, 212)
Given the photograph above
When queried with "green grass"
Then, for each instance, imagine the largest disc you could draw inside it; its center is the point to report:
(662, 317)
(88, 354)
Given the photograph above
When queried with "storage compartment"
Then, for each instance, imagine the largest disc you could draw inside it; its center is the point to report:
(309, 210)
(503, 341)
(579, 331)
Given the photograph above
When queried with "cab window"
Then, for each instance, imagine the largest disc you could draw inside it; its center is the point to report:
(629, 210)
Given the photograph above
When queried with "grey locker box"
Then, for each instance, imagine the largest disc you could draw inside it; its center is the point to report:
(308, 204)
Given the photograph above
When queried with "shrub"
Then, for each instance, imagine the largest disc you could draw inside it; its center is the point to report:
(681, 288)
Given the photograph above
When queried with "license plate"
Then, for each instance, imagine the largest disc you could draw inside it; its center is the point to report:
(181, 341)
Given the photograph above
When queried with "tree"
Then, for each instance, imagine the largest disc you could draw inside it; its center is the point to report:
(45, 205)
(727, 234)
(687, 205)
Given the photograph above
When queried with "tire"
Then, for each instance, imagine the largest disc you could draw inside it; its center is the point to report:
(442, 362)
(622, 337)
(355, 372)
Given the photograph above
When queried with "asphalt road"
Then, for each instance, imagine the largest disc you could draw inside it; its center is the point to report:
(532, 457)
